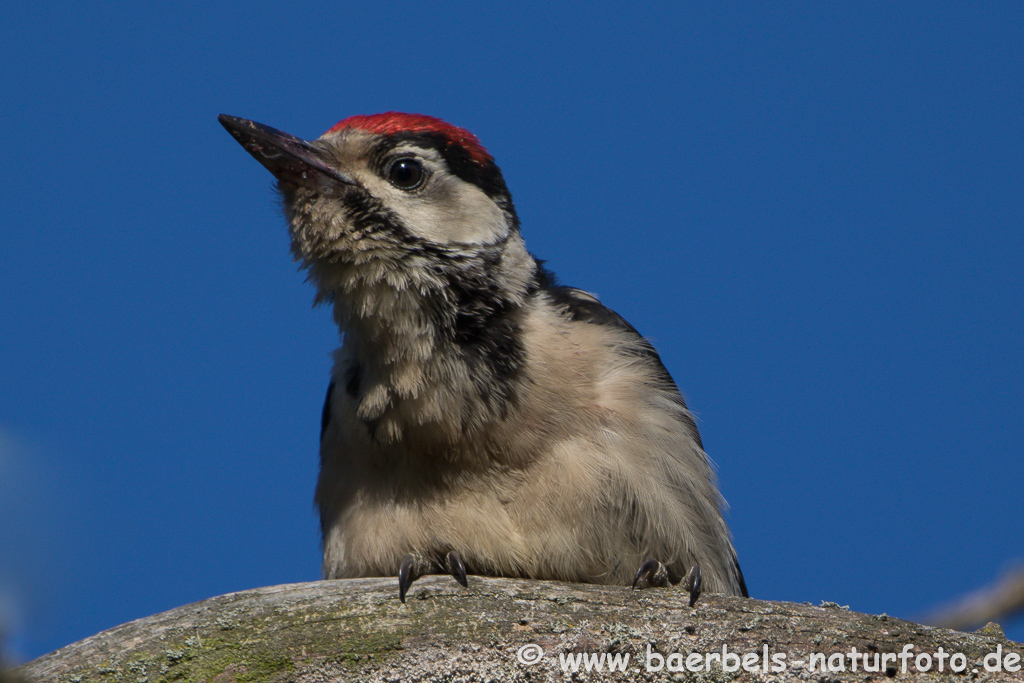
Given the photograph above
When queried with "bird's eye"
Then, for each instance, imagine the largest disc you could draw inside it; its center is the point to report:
(406, 174)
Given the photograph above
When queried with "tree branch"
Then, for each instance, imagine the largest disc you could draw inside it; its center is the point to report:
(356, 630)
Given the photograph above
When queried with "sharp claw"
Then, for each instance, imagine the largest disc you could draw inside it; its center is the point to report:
(406, 575)
(648, 570)
(694, 580)
(453, 563)
(412, 567)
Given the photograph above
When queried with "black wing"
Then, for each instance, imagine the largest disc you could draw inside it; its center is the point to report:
(325, 416)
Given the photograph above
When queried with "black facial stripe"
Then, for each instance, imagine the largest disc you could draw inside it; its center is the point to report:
(368, 216)
(486, 328)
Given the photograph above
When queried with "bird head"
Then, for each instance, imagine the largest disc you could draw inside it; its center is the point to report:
(386, 186)
(406, 226)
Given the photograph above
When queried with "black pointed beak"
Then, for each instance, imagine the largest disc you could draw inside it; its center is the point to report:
(291, 159)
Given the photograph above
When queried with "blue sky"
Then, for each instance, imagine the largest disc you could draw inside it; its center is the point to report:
(814, 210)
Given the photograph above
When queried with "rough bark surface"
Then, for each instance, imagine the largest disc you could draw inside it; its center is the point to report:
(356, 630)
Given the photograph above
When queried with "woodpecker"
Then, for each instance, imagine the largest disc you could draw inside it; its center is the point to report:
(481, 418)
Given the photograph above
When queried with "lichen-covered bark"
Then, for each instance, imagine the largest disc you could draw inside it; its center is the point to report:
(357, 630)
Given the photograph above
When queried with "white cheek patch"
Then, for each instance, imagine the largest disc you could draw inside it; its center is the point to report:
(453, 211)
(447, 209)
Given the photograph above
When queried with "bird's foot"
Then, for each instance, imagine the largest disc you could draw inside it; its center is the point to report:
(414, 566)
(693, 583)
(654, 573)
(651, 573)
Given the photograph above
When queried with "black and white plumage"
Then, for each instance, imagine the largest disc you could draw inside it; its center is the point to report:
(480, 418)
